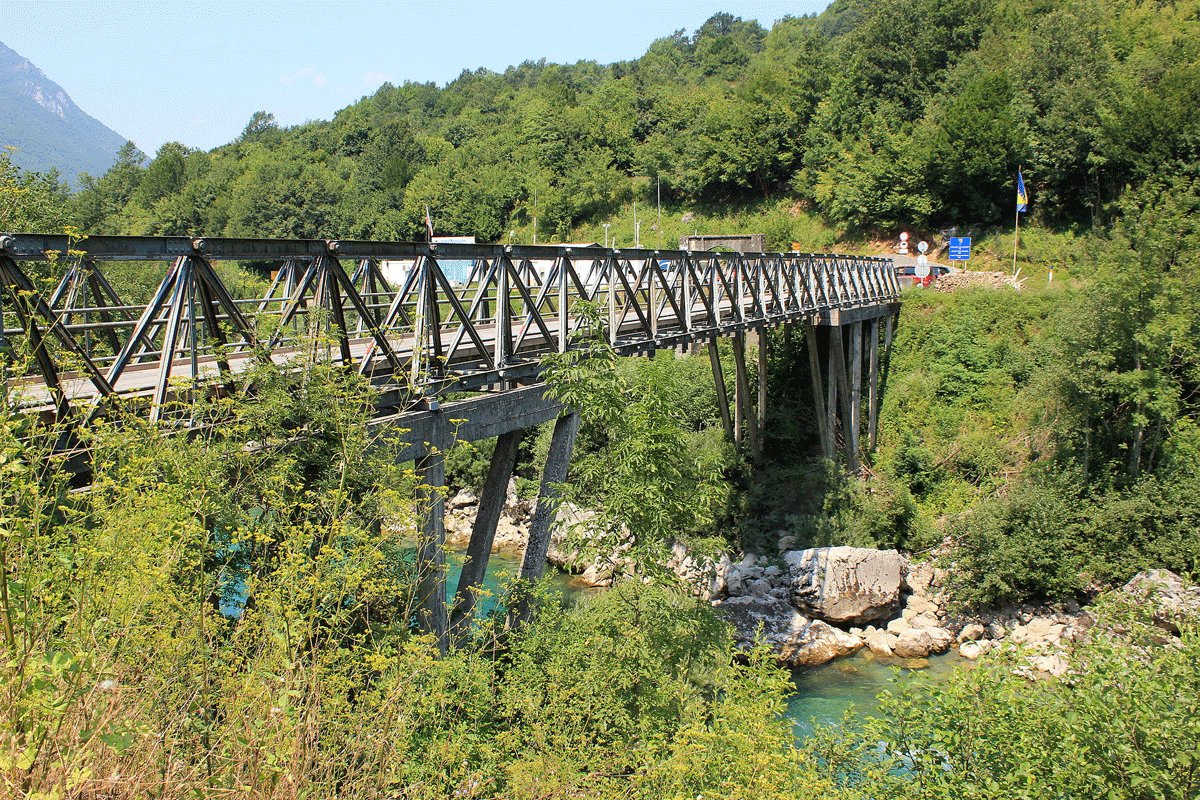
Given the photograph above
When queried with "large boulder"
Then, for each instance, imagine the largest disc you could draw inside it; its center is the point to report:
(880, 642)
(797, 640)
(771, 618)
(913, 643)
(580, 546)
(852, 585)
(1170, 599)
(940, 639)
(818, 643)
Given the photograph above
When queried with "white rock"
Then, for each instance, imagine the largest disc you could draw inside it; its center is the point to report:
(846, 584)
(898, 626)
(918, 604)
(1170, 598)
(796, 639)
(1043, 631)
(913, 643)
(760, 588)
(923, 578)
(464, 498)
(940, 639)
(971, 650)
(735, 583)
(923, 620)
(818, 643)
(1051, 665)
(971, 632)
(880, 642)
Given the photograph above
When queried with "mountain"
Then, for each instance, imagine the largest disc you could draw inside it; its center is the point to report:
(49, 131)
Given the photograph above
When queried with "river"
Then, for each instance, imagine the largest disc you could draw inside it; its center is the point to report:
(823, 694)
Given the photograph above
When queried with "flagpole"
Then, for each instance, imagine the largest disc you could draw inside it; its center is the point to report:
(1016, 238)
(1016, 227)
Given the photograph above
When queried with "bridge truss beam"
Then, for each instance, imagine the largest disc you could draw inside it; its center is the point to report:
(435, 330)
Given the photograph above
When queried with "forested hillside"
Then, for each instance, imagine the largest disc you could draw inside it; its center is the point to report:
(45, 128)
(871, 115)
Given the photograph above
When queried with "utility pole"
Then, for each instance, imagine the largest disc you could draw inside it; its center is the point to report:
(658, 191)
(535, 217)
(637, 229)
(607, 225)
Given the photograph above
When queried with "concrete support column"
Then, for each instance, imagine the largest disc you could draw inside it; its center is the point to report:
(837, 360)
(431, 548)
(831, 387)
(818, 390)
(739, 394)
(873, 386)
(483, 532)
(745, 412)
(762, 394)
(714, 358)
(533, 565)
(855, 367)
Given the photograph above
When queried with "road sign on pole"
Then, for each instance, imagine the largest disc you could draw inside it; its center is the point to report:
(960, 248)
(921, 270)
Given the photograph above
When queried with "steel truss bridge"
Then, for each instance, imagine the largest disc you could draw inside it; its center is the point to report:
(71, 344)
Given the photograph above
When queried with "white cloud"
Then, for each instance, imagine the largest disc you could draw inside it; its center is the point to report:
(374, 78)
(304, 75)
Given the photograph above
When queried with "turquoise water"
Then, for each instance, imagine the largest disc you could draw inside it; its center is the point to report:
(825, 693)
(502, 568)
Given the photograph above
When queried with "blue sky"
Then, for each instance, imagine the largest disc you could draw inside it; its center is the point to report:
(194, 72)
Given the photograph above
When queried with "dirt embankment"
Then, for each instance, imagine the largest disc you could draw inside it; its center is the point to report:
(988, 280)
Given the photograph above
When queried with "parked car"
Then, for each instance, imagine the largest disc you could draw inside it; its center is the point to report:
(908, 273)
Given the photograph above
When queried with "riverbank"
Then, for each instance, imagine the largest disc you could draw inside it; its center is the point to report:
(817, 605)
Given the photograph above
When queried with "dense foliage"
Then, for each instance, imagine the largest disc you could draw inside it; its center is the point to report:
(871, 114)
(230, 614)
(1066, 418)
(1122, 724)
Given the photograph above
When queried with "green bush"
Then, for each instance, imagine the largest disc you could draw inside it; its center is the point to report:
(1123, 723)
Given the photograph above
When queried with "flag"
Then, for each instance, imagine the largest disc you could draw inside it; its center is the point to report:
(1022, 195)
(429, 223)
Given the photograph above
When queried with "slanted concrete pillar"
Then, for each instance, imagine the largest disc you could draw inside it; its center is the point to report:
(873, 386)
(824, 430)
(714, 357)
(533, 565)
(855, 426)
(762, 394)
(745, 412)
(431, 548)
(739, 395)
(831, 388)
(837, 361)
(483, 532)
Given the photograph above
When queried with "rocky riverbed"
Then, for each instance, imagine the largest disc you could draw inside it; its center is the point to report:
(814, 605)
(811, 606)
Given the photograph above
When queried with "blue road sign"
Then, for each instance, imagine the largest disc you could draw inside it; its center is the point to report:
(960, 248)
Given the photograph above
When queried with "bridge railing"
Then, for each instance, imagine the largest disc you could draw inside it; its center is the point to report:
(415, 318)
